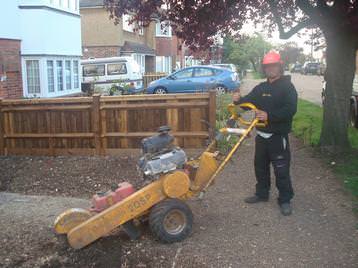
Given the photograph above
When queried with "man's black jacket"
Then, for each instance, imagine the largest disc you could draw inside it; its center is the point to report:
(279, 100)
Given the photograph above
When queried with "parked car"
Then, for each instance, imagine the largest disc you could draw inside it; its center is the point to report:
(353, 101)
(196, 79)
(112, 76)
(296, 68)
(228, 66)
(311, 68)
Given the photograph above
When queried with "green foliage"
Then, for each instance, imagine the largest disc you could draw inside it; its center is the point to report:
(222, 115)
(247, 51)
(307, 125)
(291, 53)
(119, 88)
(258, 75)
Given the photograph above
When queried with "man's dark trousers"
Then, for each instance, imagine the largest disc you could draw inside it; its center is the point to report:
(273, 150)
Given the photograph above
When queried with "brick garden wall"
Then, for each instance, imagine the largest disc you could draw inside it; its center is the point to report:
(10, 67)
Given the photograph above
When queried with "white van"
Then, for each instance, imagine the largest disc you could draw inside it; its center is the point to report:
(112, 76)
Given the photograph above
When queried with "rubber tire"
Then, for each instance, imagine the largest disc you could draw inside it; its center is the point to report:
(156, 90)
(220, 86)
(157, 216)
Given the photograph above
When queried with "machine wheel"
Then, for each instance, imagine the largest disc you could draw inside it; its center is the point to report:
(171, 220)
(160, 90)
(220, 90)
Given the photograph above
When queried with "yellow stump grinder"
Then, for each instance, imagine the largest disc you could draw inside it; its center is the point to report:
(174, 179)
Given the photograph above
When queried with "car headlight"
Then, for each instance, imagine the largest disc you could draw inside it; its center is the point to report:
(151, 83)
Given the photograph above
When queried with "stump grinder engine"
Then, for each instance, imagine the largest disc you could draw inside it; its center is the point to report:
(160, 156)
(172, 180)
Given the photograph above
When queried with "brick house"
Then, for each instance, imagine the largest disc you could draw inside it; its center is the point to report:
(155, 48)
(40, 53)
(10, 68)
(101, 38)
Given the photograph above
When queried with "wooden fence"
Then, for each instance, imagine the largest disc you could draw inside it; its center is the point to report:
(101, 125)
(149, 77)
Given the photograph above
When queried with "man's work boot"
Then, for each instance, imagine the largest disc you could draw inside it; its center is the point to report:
(286, 209)
(255, 199)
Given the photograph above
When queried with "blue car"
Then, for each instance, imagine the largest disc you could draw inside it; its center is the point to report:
(196, 79)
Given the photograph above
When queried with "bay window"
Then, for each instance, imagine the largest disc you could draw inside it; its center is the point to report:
(33, 77)
(59, 75)
(50, 76)
(68, 74)
(75, 74)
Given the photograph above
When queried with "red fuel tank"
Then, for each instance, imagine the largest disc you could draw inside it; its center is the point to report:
(101, 201)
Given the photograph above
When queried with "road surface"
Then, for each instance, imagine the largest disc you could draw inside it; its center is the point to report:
(309, 87)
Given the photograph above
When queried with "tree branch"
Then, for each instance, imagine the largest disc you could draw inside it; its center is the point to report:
(286, 35)
(308, 9)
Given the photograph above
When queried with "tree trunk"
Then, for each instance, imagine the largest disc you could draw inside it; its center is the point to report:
(340, 56)
(253, 64)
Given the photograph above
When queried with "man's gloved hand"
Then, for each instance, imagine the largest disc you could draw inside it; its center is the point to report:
(236, 96)
(261, 115)
(231, 123)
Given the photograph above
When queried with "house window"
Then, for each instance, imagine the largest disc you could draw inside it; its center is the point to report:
(126, 26)
(75, 74)
(59, 75)
(68, 74)
(93, 70)
(163, 64)
(141, 30)
(50, 76)
(33, 76)
(140, 59)
(115, 69)
(163, 29)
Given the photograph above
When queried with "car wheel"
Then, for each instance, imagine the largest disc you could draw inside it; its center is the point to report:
(160, 90)
(220, 90)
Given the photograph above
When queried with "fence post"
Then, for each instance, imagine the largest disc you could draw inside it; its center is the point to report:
(212, 108)
(2, 141)
(96, 122)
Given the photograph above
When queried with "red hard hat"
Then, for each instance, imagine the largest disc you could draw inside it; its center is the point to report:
(271, 58)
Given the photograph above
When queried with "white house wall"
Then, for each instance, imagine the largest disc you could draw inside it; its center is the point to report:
(60, 36)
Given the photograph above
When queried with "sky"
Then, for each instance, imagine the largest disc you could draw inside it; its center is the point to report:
(249, 28)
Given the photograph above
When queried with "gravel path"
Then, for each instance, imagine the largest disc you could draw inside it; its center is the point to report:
(227, 232)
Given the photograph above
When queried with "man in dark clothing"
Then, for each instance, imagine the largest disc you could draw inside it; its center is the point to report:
(276, 100)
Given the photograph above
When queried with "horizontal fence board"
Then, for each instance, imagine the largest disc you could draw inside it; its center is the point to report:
(155, 105)
(101, 125)
(47, 108)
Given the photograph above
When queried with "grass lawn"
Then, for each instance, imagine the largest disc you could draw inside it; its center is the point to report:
(258, 75)
(307, 126)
